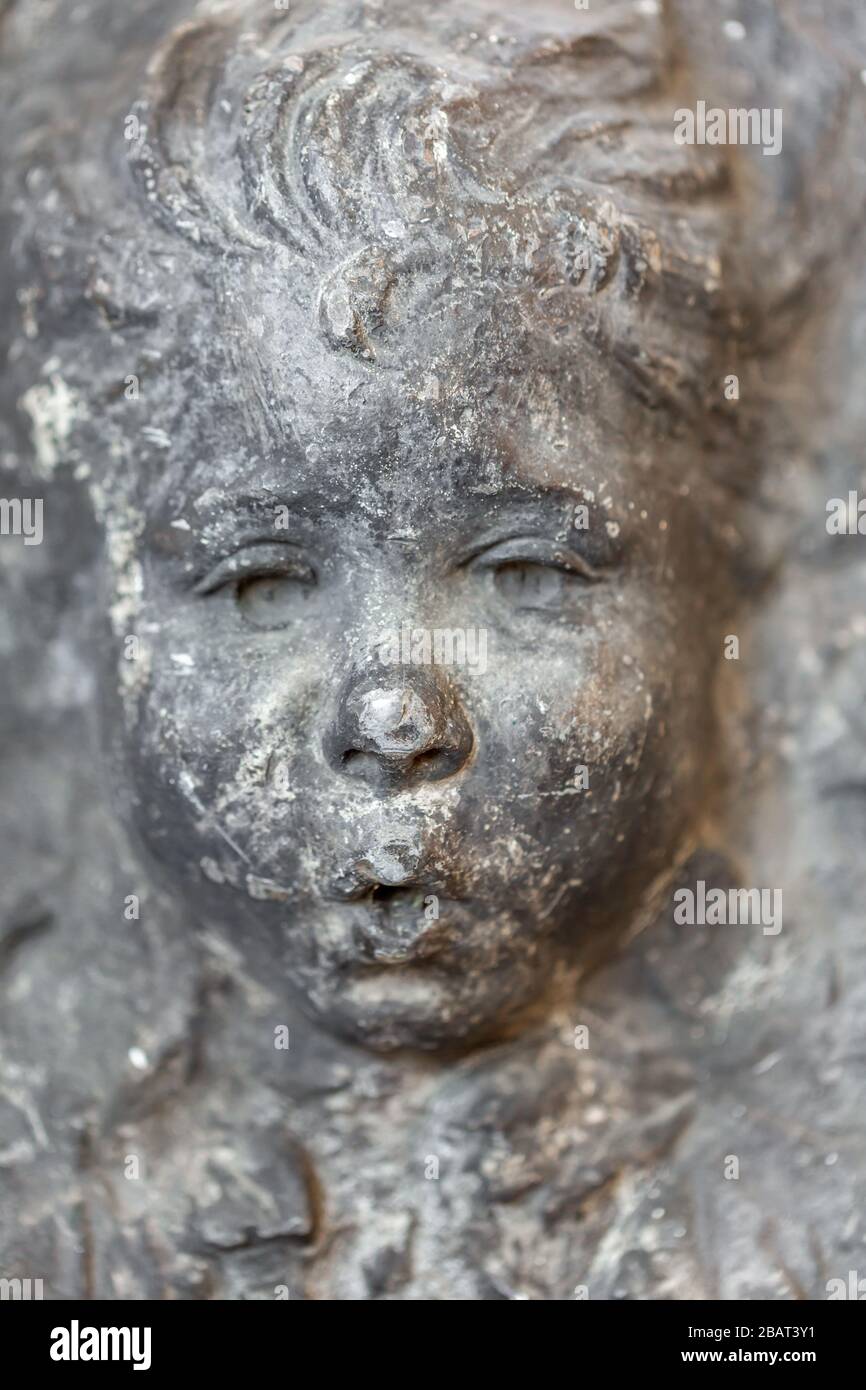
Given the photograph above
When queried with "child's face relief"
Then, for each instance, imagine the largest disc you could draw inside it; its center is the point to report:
(413, 519)
(421, 693)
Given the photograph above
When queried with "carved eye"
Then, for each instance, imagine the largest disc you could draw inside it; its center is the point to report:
(273, 601)
(526, 584)
(270, 583)
(536, 575)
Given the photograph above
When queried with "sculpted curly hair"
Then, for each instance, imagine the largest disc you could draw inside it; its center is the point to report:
(522, 164)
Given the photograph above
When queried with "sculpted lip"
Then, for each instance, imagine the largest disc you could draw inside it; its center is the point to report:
(395, 925)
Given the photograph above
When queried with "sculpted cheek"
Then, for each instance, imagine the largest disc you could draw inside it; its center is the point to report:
(600, 715)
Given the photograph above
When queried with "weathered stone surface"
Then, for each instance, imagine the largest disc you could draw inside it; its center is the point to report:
(327, 322)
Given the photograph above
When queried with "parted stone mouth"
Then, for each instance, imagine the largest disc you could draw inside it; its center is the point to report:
(395, 924)
(389, 895)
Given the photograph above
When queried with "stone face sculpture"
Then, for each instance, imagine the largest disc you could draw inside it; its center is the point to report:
(404, 368)
(379, 355)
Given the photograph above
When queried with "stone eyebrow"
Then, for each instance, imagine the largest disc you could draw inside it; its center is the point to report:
(532, 491)
(561, 501)
(263, 507)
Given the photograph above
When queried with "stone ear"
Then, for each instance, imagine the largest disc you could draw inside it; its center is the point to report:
(353, 301)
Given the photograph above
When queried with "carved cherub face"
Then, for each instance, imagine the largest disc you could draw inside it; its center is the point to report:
(417, 548)
(414, 844)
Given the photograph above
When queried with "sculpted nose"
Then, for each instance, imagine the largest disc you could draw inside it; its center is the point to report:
(394, 730)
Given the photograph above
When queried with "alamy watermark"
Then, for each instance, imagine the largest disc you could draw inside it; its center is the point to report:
(739, 126)
(846, 516)
(853, 1288)
(702, 906)
(77, 1343)
(21, 1290)
(434, 646)
(22, 516)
